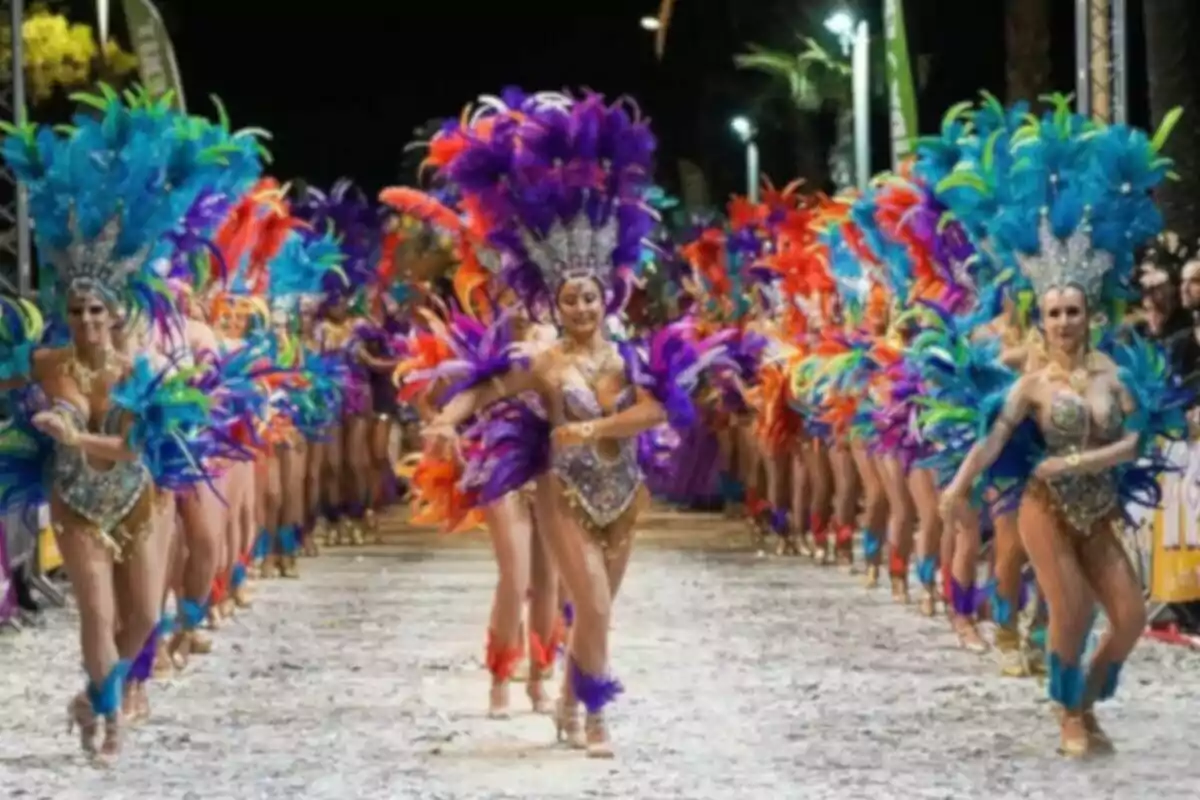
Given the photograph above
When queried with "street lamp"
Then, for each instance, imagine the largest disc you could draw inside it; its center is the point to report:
(650, 24)
(745, 130)
(855, 40)
(841, 25)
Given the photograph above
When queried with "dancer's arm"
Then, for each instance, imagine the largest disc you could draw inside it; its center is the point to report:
(471, 401)
(986, 451)
(110, 448)
(643, 415)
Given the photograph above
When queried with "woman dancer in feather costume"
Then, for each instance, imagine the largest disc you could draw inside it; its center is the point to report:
(117, 433)
(589, 162)
(523, 565)
(1078, 426)
(345, 211)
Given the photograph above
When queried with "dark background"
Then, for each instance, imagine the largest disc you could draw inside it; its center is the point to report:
(343, 85)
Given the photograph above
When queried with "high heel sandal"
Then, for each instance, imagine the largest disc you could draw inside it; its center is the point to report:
(968, 635)
(596, 735)
(871, 579)
(371, 522)
(498, 701)
(163, 667)
(1074, 738)
(80, 715)
(535, 690)
(110, 748)
(1097, 738)
(566, 725)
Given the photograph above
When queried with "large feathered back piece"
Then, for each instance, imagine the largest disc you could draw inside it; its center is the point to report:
(106, 191)
(558, 182)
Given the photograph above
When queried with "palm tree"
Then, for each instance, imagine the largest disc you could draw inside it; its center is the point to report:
(815, 81)
(1027, 49)
(1173, 66)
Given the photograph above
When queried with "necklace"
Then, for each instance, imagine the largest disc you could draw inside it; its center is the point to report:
(590, 363)
(84, 376)
(1078, 378)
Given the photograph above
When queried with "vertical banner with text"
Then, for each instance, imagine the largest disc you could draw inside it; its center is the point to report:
(902, 103)
(156, 56)
(1175, 555)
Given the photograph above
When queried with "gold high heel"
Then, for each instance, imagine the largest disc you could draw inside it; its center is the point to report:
(566, 725)
(900, 593)
(968, 635)
(871, 580)
(1098, 739)
(201, 644)
(498, 701)
(181, 650)
(535, 690)
(928, 601)
(288, 568)
(80, 715)
(320, 533)
(1074, 740)
(357, 538)
(163, 668)
(110, 748)
(241, 597)
(1013, 663)
(596, 732)
(371, 522)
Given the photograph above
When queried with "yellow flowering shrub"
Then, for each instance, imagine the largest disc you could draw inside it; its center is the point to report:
(60, 54)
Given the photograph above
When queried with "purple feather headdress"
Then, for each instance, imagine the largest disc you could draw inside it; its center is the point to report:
(355, 221)
(559, 182)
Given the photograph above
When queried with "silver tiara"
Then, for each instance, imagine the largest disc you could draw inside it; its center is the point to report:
(574, 250)
(1073, 261)
(89, 266)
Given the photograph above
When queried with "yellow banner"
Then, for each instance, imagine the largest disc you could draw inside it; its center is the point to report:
(1175, 548)
(47, 550)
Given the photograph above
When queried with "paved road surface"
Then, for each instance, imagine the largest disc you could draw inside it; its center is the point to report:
(745, 677)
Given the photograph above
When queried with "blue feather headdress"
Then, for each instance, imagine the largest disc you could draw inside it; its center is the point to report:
(1065, 198)
(302, 267)
(106, 191)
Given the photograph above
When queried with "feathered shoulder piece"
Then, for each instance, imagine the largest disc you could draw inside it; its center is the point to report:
(21, 331)
(671, 364)
(169, 417)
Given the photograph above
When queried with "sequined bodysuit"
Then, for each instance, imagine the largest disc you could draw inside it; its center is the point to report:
(1083, 499)
(104, 498)
(602, 479)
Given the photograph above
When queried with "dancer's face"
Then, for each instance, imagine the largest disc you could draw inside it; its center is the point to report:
(581, 307)
(90, 320)
(1064, 315)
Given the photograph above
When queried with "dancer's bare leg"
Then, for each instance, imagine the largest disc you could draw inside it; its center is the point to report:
(509, 524)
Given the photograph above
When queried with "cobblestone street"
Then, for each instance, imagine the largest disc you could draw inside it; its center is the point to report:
(745, 677)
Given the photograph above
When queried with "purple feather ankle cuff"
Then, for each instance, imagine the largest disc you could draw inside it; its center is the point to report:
(594, 692)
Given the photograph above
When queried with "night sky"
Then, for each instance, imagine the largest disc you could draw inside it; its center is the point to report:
(342, 85)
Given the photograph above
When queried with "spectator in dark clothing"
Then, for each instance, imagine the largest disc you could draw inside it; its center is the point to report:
(1162, 315)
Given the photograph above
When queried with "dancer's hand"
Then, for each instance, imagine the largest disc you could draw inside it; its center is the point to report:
(573, 434)
(1051, 467)
(55, 426)
(441, 439)
(953, 508)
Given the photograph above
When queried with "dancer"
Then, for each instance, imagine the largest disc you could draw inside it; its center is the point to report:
(1087, 416)
(109, 427)
(567, 256)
